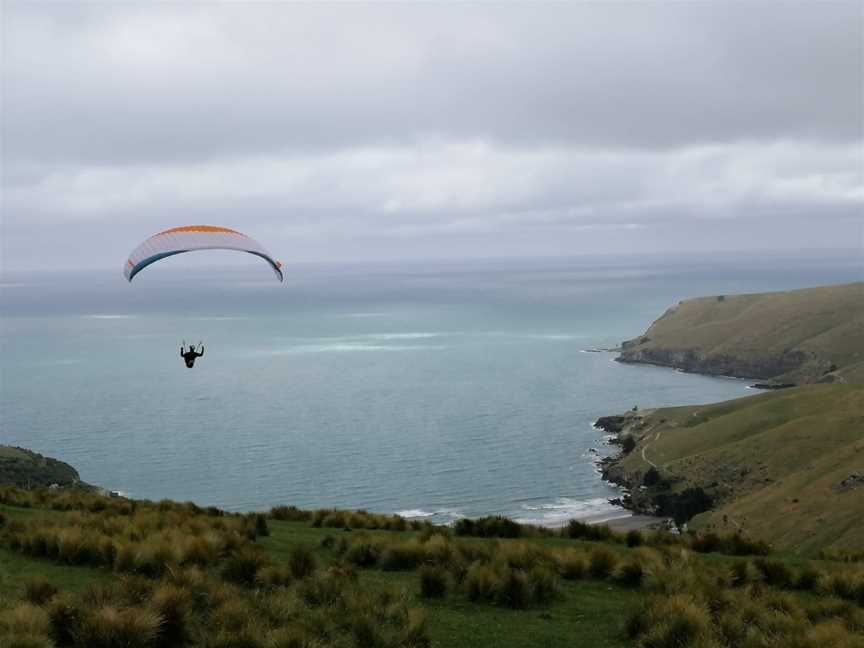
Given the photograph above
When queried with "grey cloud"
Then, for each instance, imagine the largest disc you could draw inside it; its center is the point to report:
(126, 84)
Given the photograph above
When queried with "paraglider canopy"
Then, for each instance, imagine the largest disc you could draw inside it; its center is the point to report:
(194, 237)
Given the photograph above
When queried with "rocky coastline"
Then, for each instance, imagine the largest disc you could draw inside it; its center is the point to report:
(647, 492)
(621, 428)
(809, 367)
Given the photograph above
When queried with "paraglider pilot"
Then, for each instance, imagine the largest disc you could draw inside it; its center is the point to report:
(190, 355)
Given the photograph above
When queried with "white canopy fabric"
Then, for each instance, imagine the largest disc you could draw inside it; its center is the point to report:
(194, 237)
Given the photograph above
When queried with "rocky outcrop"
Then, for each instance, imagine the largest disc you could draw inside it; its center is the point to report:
(853, 481)
(611, 424)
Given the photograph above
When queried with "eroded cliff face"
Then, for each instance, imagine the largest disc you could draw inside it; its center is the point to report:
(797, 365)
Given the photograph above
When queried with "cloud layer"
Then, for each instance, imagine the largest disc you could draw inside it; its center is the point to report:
(352, 131)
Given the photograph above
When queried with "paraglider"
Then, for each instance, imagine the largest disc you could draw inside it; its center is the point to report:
(190, 355)
(190, 238)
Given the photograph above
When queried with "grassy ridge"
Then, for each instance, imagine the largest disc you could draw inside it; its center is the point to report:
(774, 463)
(799, 336)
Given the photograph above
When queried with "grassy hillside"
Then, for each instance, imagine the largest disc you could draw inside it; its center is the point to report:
(25, 468)
(84, 570)
(779, 465)
(796, 336)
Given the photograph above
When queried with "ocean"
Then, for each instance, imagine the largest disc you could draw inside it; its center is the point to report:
(436, 390)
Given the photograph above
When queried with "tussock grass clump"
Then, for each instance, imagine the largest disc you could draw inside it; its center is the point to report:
(146, 541)
(572, 564)
(663, 622)
(739, 545)
(25, 619)
(775, 573)
(290, 514)
(848, 584)
(29, 641)
(810, 579)
(481, 582)
(493, 526)
(832, 634)
(522, 555)
(630, 573)
(440, 550)
(402, 556)
(364, 551)
(301, 561)
(602, 562)
(828, 609)
(634, 538)
(243, 565)
(274, 576)
(336, 519)
(702, 612)
(838, 555)
(261, 526)
(434, 583)
(108, 627)
(744, 572)
(38, 590)
(173, 605)
(90, 501)
(706, 542)
(510, 587)
(543, 584)
(64, 613)
(582, 531)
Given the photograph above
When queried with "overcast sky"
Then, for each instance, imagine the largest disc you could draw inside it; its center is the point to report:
(355, 132)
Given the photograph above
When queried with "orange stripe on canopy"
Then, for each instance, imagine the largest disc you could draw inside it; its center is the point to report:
(199, 228)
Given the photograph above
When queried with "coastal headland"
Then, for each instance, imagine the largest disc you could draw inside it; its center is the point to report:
(787, 466)
(812, 335)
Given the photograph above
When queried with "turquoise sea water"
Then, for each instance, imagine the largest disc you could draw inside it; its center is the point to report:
(436, 390)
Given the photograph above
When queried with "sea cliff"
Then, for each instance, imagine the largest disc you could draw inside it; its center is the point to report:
(795, 337)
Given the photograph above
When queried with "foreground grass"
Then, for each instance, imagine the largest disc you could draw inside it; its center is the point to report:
(16, 569)
(154, 575)
(587, 614)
